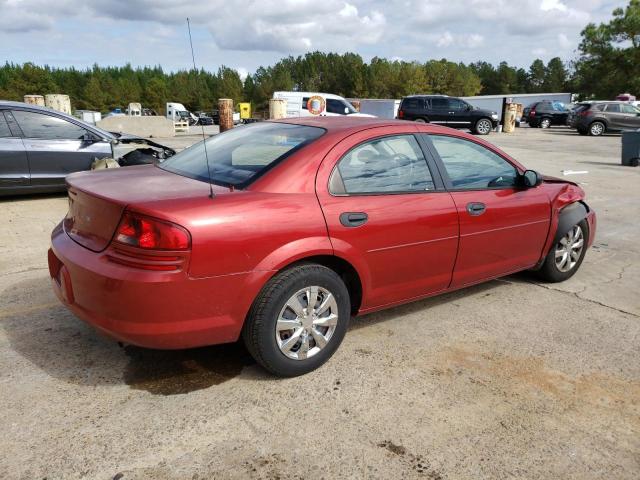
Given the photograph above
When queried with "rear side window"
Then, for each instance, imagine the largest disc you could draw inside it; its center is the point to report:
(47, 127)
(613, 108)
(412, 103)
(4, 127)
(392, 164)
(439, 103)
(471, 166)
(559, 107)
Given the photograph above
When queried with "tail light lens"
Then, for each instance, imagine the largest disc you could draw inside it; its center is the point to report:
(532, 113)
(400, 113)
(150, 233)
(585, 113)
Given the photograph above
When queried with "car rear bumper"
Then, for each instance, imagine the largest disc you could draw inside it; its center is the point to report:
(167, 310)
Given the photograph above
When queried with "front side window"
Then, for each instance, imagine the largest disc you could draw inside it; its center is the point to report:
(340, 107)
(47, 127)
(630, 109)
(238, 156)
(471, 166)
(385, 165)
(457, 105)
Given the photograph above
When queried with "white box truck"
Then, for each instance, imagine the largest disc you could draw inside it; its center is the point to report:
(311, 104)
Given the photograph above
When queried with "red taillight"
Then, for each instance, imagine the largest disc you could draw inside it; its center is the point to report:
(400, 113)
(532, 113)
(585, 113)
(150, 233)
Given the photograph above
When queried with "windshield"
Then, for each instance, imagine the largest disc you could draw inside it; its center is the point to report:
(239, 156)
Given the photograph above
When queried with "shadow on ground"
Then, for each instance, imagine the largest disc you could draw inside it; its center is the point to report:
(58, 343)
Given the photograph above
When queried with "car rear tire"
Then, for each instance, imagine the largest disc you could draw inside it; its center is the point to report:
(597, 129)
(483, 126)
(420, 120)
(545, 123)
(287, 338)
(565, 257)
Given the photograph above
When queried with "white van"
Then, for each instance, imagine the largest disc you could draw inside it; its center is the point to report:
(310, 104)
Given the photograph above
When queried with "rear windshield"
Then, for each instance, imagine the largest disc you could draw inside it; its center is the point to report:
(239, 156)
(581, 107)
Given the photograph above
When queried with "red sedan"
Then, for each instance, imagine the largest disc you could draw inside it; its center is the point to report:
(292, 227)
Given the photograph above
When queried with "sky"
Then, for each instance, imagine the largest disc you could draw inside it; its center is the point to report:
(247, 34)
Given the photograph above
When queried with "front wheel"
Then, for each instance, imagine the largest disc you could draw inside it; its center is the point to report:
(298, 321)
(566, 255)
(483, 126)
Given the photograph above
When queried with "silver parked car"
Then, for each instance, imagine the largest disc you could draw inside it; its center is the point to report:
(597, 118)
(39, 147)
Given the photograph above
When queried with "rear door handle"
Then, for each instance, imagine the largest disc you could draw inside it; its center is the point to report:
(353, 219)
(476, 208)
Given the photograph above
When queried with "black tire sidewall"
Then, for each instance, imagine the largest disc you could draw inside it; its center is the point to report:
(549, 271)
(260, 331)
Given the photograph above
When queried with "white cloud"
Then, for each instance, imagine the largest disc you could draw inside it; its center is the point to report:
(249, 33)
(445, 40)
(563, 41)
(553, 5)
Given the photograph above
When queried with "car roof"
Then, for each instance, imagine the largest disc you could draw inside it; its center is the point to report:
(348, 124)
(427, 96)
(8, 104)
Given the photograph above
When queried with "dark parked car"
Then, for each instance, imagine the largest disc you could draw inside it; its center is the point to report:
(204, 119)
(545, 114)
(449, 111)
(39, 147)
(597, 118)
(294, 226)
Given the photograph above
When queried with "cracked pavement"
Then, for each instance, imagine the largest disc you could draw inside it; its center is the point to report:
(509, 379)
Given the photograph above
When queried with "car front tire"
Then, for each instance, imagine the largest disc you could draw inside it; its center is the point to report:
(483, 126)
(298, 321)
(565, 257)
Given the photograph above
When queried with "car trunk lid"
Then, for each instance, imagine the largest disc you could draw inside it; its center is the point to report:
(97, 199)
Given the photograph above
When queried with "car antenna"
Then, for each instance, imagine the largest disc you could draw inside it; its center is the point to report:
(204, 138)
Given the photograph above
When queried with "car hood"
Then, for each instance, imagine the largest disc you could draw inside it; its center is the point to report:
(550, 179)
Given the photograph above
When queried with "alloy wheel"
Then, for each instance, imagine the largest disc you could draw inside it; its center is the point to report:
(545, 123)
(596, 129)
(483, 127)
(306, 323)
(569, 249)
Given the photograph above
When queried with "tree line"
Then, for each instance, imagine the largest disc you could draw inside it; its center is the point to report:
(608, 63)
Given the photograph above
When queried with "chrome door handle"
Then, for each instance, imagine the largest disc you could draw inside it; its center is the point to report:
(476, 208)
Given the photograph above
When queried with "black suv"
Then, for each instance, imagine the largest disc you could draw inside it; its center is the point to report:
(546, 113)
(449, 111)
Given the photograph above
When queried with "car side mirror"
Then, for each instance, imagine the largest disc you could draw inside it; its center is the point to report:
(531, 178)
